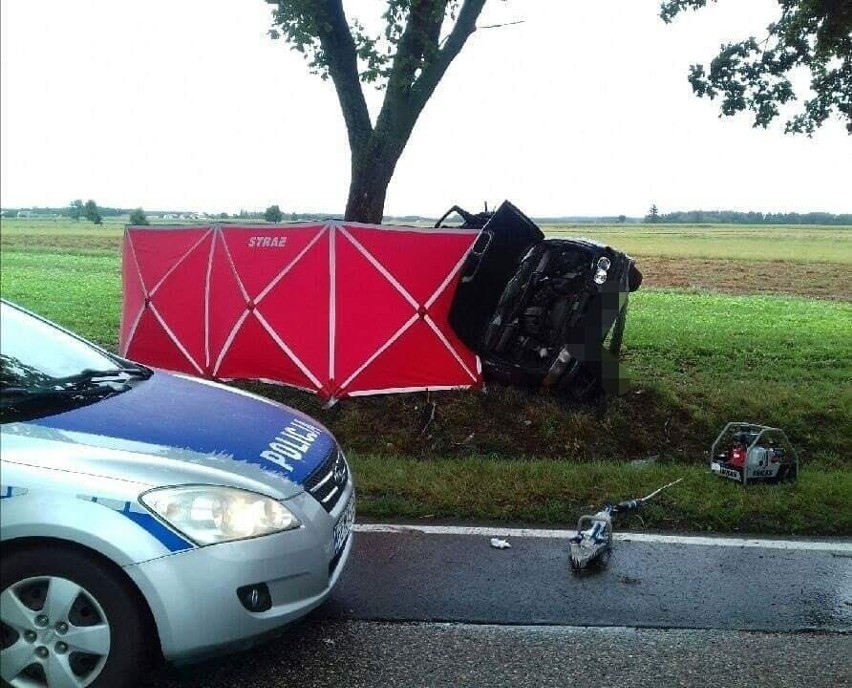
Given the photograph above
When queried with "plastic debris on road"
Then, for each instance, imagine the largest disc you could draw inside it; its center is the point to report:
(497, 543)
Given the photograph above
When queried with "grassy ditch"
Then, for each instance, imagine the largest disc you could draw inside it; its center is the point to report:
(555, 493)
(696, 360)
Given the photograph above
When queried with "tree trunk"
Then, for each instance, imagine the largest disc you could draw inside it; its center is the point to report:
(367, 190)
(373, 165)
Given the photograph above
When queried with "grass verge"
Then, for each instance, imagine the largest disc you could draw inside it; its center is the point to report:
(556, 493)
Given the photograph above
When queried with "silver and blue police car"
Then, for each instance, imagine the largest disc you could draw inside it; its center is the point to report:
(141, 509)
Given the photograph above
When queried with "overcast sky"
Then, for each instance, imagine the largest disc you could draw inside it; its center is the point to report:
(583, 109)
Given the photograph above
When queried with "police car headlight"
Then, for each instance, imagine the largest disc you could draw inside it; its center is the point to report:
(210, 514)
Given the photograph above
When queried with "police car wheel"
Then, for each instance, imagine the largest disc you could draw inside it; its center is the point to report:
(66, 619)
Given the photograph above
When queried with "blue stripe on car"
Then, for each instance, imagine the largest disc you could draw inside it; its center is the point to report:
(170, 540)
(7, 491)
(167, 537)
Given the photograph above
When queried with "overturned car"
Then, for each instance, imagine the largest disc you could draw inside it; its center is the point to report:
(540, 311)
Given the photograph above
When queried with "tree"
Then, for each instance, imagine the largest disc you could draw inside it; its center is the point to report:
(75, 210)
(653, 214)
(622, 219)
(754, 75)
(273, 214)
(92, 213)
(138, 217)
(408, 61)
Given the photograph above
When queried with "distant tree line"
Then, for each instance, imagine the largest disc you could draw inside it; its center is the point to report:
(733, 217)
(78, 210)
(91, 211)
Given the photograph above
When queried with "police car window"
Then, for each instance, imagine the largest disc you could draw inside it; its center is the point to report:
(33, 352)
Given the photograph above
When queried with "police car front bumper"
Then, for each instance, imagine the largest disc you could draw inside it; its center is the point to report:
(193, 595)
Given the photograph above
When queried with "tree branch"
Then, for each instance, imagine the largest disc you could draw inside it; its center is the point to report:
(498, 26)
(421, 34)
(434, 71)
(419, 42)
(408, 92)
(342, 60)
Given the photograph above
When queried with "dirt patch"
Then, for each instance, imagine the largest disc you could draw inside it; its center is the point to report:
(814, 280)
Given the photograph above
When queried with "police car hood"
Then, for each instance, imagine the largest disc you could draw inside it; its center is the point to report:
(171, 428)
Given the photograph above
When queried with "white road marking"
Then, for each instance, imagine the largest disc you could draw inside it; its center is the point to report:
(703, 541)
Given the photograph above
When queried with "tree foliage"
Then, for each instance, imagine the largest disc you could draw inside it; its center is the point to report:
(653, 214)
(138, 217)
(75, 209)
(273, 214)
(92, 213)
(407, 59)
(755, 74)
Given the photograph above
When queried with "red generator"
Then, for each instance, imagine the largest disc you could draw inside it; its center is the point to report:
(750, 453)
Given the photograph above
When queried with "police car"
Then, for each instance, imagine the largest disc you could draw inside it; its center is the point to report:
(144, 510)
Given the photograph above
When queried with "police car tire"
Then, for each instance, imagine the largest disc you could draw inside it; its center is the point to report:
(127, 635)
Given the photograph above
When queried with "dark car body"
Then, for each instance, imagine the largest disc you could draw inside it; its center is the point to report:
(538, 311)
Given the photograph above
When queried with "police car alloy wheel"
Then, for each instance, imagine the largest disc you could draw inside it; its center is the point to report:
(68, 621)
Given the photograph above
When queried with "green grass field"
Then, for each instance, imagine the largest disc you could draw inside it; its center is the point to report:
(696, 360)
(798, 243)
(734, 242)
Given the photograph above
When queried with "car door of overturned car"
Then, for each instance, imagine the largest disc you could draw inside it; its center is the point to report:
(542, 312)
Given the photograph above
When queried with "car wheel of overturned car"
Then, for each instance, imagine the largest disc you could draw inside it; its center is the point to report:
(66, 619)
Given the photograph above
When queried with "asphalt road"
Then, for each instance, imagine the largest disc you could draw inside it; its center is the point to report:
(428, 609)
(427, 576)
(355, 654)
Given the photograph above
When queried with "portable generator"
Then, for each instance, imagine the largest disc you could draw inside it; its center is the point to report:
(750, 453)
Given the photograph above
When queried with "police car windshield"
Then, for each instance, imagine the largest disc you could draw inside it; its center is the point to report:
(35, 354)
